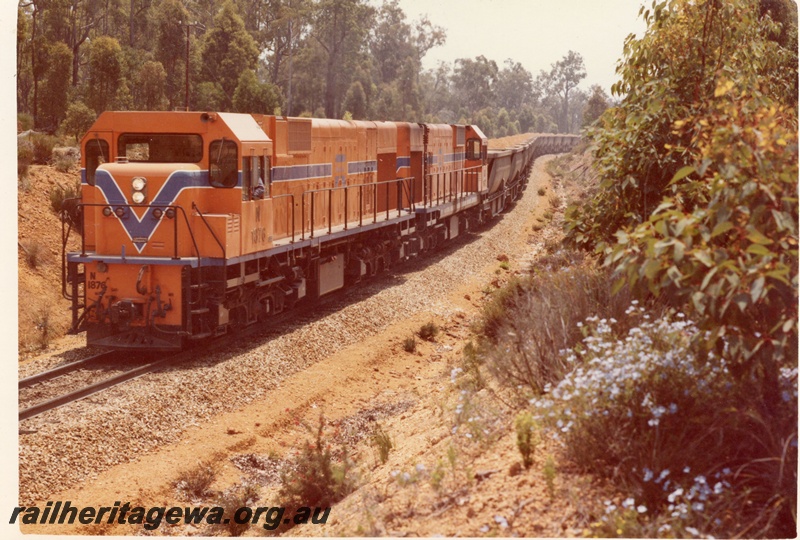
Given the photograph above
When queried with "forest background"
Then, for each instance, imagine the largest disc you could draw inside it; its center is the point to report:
(324, 58)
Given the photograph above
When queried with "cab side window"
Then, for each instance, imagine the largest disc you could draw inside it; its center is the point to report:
(96, 153)
(223, 164)
(474, 149)
(255, 175)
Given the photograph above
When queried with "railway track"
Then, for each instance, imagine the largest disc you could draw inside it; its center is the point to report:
(80, 392)
(274, 325)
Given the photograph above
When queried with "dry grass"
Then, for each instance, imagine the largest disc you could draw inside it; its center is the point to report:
(531, 320)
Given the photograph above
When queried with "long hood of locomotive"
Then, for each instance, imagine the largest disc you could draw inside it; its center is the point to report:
(149, 229)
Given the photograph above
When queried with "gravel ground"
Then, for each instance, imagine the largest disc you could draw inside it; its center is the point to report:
(61, 448)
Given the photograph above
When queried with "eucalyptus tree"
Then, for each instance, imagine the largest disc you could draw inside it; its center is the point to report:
(339, 28)
(228, 50)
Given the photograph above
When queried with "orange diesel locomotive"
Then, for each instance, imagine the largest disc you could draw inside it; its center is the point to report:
(197, 223)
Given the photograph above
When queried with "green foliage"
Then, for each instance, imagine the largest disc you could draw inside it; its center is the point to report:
(79, 119)
(382, 442)
(671, 74)
(170, 49)
(24, 122)
(209, 96)
(473, 81)
(196, 481)
(59, 194)
(150, 90)
(232, 500)
(549, 473)
(35, 253)
(53, 93)
(105, 71)
(24, 157)
(251, 96)
(355, 101)
(330, 56)
(314, 479)
(733, 261)
(563, 79)
(65, 163)
(526, 437)
(228, 51)
(698, 198)
(42, 147)
(596, 106)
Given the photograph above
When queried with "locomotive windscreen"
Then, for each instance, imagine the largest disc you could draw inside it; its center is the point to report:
(161, 147)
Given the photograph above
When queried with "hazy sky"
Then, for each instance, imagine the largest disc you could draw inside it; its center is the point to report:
(536, 33)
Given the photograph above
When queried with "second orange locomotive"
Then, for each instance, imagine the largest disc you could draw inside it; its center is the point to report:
(194, 223)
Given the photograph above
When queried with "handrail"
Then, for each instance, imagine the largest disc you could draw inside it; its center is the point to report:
(175, 207)
(441, 182)
(199, 213)
(65, 240)
(312, 193)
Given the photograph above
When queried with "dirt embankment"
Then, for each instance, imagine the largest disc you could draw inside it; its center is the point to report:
(44, 314)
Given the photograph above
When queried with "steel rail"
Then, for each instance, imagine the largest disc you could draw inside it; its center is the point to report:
(61, 370)
(81, 393)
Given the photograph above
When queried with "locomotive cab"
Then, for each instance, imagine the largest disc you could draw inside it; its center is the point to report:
(160, 220)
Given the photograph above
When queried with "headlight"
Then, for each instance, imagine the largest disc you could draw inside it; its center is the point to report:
(139, 185)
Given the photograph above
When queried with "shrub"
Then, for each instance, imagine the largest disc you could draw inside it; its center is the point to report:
(42, 148)
(429, 331)
(639, 148)
(59, 194)
(698, 199)
(35, 254)
(472, 367)
(231, 500)
(530, 320)
(549, 473)
(24, 157)
(680, 436)
(541, 192)
(313, 479)
(44, 326)
(381, 442)
(196, 481)
(732, 261)
(24, 122)
(65, 163)
(410, 344)
(79, 119)
(526, 437)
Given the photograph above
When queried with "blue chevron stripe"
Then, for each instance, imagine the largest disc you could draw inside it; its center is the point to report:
(146, 226)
